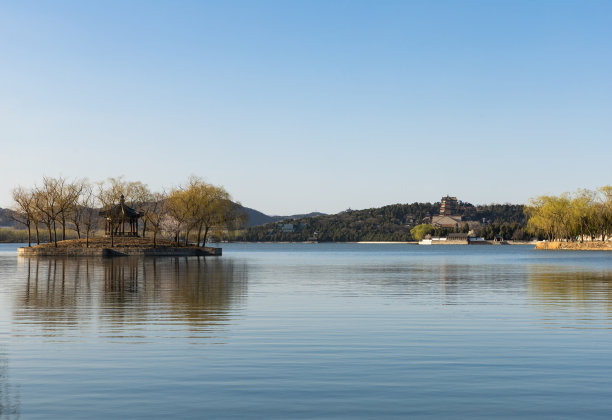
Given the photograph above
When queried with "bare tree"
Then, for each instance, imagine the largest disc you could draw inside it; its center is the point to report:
(140, 198)
(134, 192)
(47, 202)
(89, 213)
(43, 216)
(156, 213)
(68, 197)
(76, 211)
(106, 197)
(36, 217)
(24, 211)
(178, 210)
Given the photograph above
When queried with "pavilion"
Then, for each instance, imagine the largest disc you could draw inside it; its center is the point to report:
(120, 215)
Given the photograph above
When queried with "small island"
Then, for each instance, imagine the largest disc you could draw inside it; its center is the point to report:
(123, 246)
(185, 216)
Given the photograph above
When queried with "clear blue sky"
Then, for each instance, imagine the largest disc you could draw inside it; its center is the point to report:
(297, 106)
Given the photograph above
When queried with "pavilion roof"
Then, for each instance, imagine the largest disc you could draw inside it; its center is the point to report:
(121, 211)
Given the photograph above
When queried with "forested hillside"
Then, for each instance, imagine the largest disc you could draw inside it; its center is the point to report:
(6, 220)
(389, 223)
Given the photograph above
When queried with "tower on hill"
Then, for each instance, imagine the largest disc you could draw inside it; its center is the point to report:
(448, 206)
(448, 217)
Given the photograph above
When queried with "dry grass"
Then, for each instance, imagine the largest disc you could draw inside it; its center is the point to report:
(577, 246)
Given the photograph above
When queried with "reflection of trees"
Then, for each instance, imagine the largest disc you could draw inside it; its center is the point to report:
(585, 290)
(198, 290)
(9, 398)
(63, 293)
(451, 281)
(53, 292)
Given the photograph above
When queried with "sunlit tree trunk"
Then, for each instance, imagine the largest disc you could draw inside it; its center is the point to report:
(63, 227)
(55, 233)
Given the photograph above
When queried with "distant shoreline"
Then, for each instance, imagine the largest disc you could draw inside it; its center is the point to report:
(533, 243)
(385, 242)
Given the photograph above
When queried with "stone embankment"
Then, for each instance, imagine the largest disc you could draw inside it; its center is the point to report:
(575, 246)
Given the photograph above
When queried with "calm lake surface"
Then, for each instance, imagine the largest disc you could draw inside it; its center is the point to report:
(277, 331)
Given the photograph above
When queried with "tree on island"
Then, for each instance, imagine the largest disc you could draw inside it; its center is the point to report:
(67, 198)
(199, 207)
(89, 214)
(47, 203)
(155, 214)
(190, 212)
(25, 211)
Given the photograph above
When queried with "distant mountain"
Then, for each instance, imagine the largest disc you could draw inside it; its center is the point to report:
(302, 216)
(257, 218)
(6, 220)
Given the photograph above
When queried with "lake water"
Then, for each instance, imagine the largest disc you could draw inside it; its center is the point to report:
(300, 331)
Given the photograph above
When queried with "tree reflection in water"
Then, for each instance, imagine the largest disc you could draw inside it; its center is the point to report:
(123, 293)
(584, 291)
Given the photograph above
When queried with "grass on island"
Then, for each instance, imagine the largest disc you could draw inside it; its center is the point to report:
(105, 242)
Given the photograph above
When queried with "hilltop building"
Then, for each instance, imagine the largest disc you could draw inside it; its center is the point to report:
(448, 217)
(448, 206)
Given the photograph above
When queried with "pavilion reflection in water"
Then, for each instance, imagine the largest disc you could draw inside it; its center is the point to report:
(63, 293)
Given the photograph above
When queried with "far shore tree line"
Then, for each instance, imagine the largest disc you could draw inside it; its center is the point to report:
(394, 222)
(191, 213)
(186, 214)
(583, 215)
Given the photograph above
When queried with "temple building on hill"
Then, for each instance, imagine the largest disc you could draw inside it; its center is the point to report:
(448, 206)
(448, 217)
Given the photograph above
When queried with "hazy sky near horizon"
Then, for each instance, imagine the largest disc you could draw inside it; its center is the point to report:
(299, 106)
